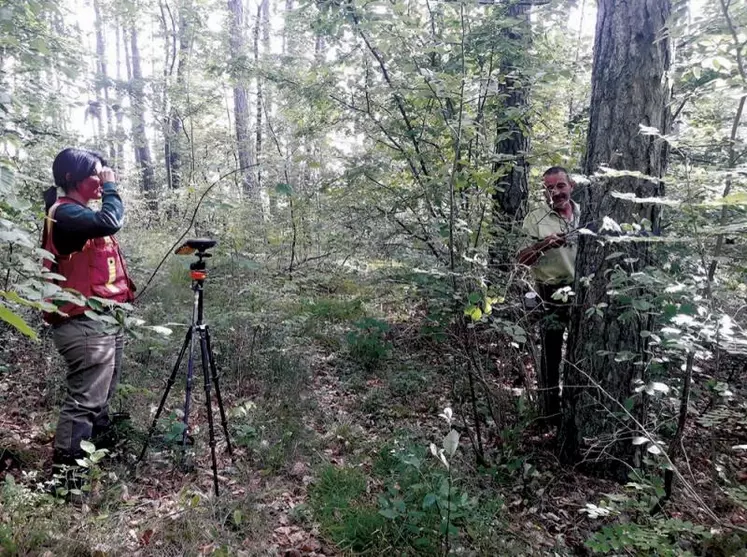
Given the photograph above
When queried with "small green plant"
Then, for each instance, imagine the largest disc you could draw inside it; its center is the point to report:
(422, 502)
(657, 537)
(90, 471)
(367, 343)
(450, 503)
(175, 430)
(649, 535)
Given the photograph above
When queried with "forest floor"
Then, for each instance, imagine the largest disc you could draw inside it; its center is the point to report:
(333, 395)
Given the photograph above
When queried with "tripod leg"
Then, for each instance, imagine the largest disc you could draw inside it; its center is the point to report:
(208, 403)
(169, 384)
(188, 392)
(214, 372)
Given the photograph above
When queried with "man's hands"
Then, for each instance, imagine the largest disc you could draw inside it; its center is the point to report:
(107, 175)
(552, 241)
(530, 255)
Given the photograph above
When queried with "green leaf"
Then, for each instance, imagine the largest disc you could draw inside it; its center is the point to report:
(40, 46)
(429, 500)
(87, 447)
(98, 454)
(474, 312)
(389, 513)
(17, 322)
(165, 331)
(447, 527)
(451, 442)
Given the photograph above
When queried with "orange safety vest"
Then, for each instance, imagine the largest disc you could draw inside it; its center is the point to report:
(98, 269)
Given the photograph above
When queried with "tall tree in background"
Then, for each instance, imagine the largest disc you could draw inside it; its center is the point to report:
(119, 133)
(262, 27)
(240, 98)
(102, 79)
(512, 141)
(176, 53)
(605, 346)
(137, 115)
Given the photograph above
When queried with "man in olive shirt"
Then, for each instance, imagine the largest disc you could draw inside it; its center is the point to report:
(551, 253)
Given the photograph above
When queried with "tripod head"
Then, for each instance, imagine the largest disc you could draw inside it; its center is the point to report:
(198, 247)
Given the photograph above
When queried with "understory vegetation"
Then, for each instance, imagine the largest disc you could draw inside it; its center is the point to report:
(365, 168)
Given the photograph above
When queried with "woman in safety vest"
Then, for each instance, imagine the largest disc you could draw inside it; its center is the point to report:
(87, 255)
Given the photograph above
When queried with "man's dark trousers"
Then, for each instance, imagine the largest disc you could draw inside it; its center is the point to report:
(555, 319)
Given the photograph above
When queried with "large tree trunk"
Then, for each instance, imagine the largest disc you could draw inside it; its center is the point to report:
(512, 141)
(137, 99)
(240, 97)
(605, 346)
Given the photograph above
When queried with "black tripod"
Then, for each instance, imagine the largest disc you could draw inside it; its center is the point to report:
(198, 272)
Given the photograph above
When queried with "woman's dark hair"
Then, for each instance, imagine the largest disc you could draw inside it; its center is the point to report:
(70, 167)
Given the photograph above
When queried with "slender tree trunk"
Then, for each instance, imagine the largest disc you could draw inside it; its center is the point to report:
(102, 78)
(288, 10)
(240, 97)
(175, 159)
(169, 59)
(605, 347)
(175, 57)
(137, 98)
(117, 107)
(263, 6)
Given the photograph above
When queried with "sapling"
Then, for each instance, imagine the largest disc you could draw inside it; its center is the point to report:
(450, 444)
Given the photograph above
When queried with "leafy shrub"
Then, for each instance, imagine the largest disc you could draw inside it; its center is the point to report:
(660, 537)
(420, 499)
(649, 535)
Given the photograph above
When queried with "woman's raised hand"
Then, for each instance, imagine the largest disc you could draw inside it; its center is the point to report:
(107, 175)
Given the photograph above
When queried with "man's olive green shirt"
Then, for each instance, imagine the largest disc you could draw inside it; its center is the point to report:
(556, 266)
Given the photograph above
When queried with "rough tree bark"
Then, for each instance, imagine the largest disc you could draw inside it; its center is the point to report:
(137, 100)
(240, 97)
(512, 141)
(629, 89)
